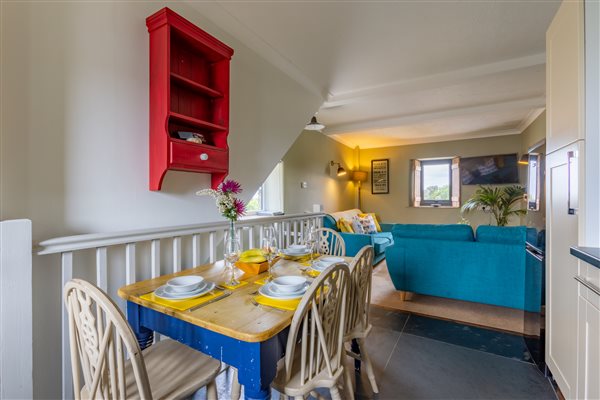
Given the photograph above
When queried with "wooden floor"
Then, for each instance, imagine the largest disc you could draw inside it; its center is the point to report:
(501, 318)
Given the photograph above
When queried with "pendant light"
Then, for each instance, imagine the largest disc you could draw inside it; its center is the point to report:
(314, 125)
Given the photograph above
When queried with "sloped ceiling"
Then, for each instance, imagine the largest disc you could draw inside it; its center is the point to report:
(394, 73)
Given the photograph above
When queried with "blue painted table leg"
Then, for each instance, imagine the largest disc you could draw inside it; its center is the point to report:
(145, 336)
(257, 375)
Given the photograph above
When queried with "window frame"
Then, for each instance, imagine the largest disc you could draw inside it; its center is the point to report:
(436, 203)
(263, 190)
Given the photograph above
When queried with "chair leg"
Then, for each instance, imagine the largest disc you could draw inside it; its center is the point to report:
(236, 389)
(365, 357)
(211, 391)
(335, 393)
(348, 385)
(356, 350)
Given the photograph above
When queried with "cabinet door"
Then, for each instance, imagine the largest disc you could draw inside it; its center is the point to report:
(561, 288)
(565, 76)
(588, 343)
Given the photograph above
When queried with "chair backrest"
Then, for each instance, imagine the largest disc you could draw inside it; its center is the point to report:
(319, 323)
(330, 242)
(100, 342)
(359, 297)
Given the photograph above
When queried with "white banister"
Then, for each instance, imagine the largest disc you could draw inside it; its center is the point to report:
(67, 377)
(16, 326)
(249, 230)
(130, 263)
(177, 254)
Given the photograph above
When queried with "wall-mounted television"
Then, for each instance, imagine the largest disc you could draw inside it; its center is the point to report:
(487, 170)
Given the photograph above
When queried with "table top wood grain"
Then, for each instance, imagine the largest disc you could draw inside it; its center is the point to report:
(235, 315)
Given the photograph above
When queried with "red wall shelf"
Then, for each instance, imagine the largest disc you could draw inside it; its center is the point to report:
(189, 92)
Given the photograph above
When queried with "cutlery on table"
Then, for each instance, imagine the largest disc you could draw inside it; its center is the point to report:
(225, 294)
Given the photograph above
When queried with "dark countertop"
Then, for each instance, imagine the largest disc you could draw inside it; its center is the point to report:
(590, 255)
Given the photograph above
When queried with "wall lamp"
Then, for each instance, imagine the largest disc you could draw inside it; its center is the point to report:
(524, 160)
(340, 171)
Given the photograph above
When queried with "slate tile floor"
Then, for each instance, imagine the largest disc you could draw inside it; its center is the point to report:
(423, 358)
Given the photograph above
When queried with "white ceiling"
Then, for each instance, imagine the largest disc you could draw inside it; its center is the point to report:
(394, 73)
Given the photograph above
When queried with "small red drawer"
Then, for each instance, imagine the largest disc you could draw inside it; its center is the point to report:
(197, 157)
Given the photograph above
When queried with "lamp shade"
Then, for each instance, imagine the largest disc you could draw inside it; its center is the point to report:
(341, 171)
(359, 176)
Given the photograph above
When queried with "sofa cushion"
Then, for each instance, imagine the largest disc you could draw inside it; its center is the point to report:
(502, 234)
(381, 241)
(457, 232)
(377, 226)
(345, 226)
(347, 214)
(330, 222)
(367, 223)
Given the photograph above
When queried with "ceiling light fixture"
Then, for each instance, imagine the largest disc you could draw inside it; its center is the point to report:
(340, 171)
(314, 125)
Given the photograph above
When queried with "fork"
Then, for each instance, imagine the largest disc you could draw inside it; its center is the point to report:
(262, 305)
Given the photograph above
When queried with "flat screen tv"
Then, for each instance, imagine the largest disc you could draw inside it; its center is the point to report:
(486, 170)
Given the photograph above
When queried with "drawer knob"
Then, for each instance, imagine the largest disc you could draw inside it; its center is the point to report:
(204, 156)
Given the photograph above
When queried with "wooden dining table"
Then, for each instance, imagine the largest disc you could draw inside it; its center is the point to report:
(233, 329)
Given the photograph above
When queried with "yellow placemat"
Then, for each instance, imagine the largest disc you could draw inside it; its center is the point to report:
(299, 259)
(182, 305)
(312, 272)
(261, 281)
(233, 287)
(289, 305)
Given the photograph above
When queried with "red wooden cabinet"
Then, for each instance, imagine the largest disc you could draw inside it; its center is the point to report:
(189, 94)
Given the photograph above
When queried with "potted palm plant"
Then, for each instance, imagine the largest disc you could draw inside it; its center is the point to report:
(502, 202)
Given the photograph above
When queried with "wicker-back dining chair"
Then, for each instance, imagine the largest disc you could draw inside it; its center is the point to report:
(105, 351)
(330, 242)
(359, 300)
(315, 347)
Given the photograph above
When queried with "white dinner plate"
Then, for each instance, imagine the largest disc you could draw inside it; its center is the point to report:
(294, 253)
(331, 260)
(170, 291)
(161, 292)
(319, 266)
(268, 290)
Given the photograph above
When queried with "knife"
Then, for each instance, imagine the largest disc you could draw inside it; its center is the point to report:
(225, 294)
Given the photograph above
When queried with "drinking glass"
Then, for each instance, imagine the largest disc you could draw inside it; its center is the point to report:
(232, 252)
(311, 241)
(269, 250)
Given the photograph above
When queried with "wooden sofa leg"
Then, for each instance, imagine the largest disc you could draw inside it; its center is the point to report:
(403, 295)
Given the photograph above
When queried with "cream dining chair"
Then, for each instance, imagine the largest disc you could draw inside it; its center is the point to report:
(105, 351)
(359, 299)
(330, 242)
(315, 347)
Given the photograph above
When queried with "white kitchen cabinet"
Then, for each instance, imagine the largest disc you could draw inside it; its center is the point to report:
(561, 288)
(588, 347)
(565, 77)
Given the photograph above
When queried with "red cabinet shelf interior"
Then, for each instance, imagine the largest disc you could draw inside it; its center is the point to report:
(189, 95)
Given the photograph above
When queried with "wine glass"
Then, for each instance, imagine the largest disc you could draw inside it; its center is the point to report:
(269, 250)
(232, 252)
(311, 241)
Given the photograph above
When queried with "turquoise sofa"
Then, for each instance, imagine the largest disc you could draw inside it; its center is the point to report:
(356, 241)
(449, 261)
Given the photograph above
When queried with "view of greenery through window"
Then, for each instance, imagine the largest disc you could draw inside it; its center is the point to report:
(436, 181)
(255, 203)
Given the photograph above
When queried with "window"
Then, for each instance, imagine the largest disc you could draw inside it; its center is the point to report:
(436, 182)
(269, 197)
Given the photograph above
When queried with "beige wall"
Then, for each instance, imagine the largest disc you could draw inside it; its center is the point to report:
(308, 161)
(394, 207)
(535, 133)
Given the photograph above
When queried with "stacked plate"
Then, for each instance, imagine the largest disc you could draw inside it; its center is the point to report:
(296, 250)
(324, 262)
(285, 288)
(184, 288)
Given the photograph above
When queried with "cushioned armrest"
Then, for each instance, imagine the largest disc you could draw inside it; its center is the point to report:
(355, 241)
(386, 227)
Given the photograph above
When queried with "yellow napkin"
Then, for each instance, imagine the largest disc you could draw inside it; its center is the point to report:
(299, 259)
(232, 287)
(312, 272)
(182, 305)
(289, 305)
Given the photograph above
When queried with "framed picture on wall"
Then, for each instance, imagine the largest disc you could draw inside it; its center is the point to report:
(380, 176)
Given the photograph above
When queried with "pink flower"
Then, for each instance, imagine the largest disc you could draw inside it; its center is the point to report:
(240, 207)
(231, 186)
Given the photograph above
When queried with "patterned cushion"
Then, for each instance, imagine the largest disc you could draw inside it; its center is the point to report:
(366, 224)
(345, 225)
(374, 220)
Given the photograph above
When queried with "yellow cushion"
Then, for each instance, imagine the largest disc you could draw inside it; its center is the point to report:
(374, 220)
(345, 226)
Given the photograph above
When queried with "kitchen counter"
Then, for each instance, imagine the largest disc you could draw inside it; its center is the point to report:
(590, 255)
